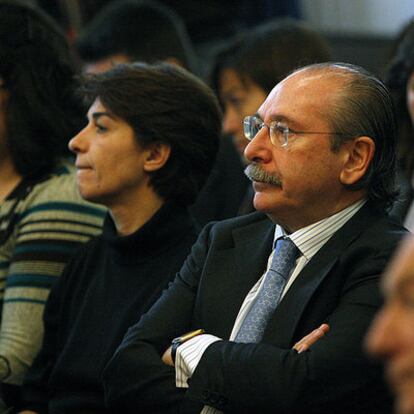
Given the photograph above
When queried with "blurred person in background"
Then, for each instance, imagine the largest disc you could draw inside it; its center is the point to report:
(134, 30)
(43, 219)
(391, 336)
(399, 77)
(151, 140)
(247, 69)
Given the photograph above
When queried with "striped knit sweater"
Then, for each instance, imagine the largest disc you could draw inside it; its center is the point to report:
(41, 225)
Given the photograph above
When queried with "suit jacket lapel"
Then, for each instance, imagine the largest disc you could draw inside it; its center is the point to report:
(253, 244)
(282, 325)
(235, 269)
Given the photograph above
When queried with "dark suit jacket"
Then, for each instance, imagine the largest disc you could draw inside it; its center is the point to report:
(338, 286)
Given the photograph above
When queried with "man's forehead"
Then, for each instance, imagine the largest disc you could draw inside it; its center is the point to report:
(303, 88)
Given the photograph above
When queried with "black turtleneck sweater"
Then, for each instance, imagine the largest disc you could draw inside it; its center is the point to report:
(104, 290)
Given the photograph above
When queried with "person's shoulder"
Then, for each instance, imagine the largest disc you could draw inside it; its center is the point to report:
(377, 232)
(251, 221)
(59, 192)
(60, 185)
(91, 250)
(387, 229)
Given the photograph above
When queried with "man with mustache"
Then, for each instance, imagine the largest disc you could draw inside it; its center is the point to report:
(322, 162)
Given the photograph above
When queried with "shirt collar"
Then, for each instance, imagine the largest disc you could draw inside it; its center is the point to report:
(311, 238)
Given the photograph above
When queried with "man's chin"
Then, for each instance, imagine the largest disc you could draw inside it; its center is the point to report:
(261, 200)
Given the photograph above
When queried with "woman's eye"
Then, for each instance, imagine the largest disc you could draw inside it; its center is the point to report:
(236, 102)
(100, 129)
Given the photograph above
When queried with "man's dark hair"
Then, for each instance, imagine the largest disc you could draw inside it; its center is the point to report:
(142, 30)
(269, 52)
(35, 67)
(364, 107)
(166, 104)
(397, 76)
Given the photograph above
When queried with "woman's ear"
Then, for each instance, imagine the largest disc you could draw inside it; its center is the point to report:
(359, 153)
(157, 155)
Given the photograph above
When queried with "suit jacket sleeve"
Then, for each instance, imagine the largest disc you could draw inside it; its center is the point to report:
(136, 380)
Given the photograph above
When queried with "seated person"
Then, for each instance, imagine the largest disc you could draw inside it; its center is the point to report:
(391, 336)
(150, 142)
(43, 219)
(321, 156)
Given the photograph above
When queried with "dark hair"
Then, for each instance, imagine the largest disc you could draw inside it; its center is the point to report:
(397, 76)
(41, 111)
(143, 30)
(364, 107)
(164, 103)
(269, 52)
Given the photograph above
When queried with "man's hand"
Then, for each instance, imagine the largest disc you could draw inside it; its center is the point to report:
(307, 341)
(166, 357)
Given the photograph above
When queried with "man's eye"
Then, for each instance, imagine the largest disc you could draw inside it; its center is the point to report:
(279, 129)
(257, 126)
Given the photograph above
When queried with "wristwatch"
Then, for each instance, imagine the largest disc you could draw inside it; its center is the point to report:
(176, 342)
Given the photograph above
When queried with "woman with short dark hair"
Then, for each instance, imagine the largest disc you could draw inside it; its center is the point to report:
(150, 142)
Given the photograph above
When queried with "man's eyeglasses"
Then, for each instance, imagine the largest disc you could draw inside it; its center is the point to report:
(279, 133)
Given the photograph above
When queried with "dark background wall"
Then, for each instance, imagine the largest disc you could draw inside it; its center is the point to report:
(210, 22)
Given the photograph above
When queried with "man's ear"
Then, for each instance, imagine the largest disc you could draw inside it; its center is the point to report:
(358, 153)
(157, 155)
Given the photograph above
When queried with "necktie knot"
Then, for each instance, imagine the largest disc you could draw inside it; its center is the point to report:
(284, 257)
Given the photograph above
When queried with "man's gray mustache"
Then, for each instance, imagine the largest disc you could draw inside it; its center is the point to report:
(255, 173)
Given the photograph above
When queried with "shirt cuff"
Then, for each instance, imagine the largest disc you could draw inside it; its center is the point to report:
(188, 356)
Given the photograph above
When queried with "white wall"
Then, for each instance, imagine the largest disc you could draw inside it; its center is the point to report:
(378, 17)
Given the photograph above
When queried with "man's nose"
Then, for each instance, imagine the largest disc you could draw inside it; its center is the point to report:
(259, 147)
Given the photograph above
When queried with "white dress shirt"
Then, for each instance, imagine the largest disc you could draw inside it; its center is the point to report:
(308, 240)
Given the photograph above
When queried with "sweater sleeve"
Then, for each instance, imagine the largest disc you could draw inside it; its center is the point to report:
(50, 226)
(34, 393)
